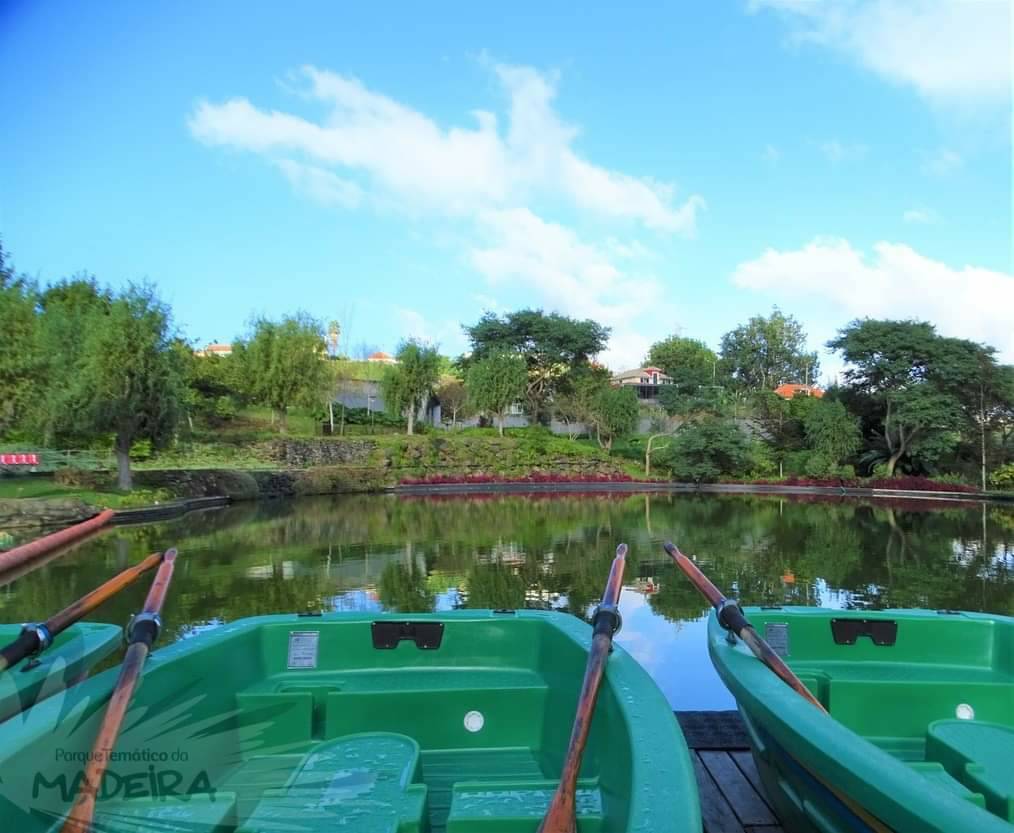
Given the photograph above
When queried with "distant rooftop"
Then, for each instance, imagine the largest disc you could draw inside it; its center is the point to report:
(789, 390)
(216, 350)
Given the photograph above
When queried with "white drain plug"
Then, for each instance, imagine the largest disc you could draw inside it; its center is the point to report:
(962, 712)
(474, 721)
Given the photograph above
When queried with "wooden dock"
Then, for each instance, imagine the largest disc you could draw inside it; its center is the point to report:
(732, 797)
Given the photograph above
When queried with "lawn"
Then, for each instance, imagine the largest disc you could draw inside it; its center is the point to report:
(44, 487)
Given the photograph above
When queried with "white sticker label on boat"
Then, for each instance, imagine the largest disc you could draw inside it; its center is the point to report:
(776, 634)
(303, 649)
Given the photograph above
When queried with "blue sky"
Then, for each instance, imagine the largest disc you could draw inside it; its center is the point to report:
(662, 168)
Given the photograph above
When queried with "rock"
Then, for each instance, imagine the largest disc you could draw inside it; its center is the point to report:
(304, 454)
(44, 512)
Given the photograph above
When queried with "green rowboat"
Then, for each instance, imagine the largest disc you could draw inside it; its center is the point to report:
(71, 656)
(370, 723)
(920, 731)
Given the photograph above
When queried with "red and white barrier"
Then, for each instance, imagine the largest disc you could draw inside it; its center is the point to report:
(19, 459)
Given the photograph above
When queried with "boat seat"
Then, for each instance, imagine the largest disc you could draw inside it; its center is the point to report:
(978, 754)
(398, 679)
(358, 782)
(935, 772)
(165, 814)
(497, 806)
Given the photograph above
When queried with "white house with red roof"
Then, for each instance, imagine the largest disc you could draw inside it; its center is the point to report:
(646, 380)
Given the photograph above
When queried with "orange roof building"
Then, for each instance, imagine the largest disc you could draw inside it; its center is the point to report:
(381, 356)
(789, 390)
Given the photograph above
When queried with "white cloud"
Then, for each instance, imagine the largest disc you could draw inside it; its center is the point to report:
(321, 185)
(837, 152)
(921, 216)
(942, 162)
(479, 183)
(894, 282)
(950, 51)
(572, 277)
(403, 153)
(446, 334)
(771, 154)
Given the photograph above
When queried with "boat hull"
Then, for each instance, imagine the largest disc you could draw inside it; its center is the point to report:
(916, 718)
(454, 722)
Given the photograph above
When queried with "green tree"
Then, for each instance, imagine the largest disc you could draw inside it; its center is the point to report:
(20, 360)
(783, 423)
(131, 380)
(283, 363)
(707, 450)
(407, 386)
(690, 404)
(765, 352)
(403, 588)
(453, 398)
(495, 382)
(832, 433)
(909, 376)
(213, 385)
(576, 399)
(614, 413)
(495, 586)
(70, 310)
(691, 363)
(552, 345)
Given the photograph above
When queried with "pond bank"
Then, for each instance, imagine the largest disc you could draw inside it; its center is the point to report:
(209, 488)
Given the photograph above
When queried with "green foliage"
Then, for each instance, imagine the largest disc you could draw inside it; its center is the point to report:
(912, 385)
(213, 385)
(283, 363)
(495, 382)
(831, 431)
(707, 450)
(453, 398)
(360, 371)
(20, 359)
(576, 400)
(691, 363)
(70, 312)
(552, 345)
(1003, 477)
(407, 386)
(403, 588)
(130, 380)
(615, 413)
(79, 478)
(765, 352)
(495, 587)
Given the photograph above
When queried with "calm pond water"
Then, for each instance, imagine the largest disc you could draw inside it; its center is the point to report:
(436, 553)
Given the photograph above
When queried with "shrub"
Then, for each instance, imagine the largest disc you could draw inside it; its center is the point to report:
(79, 478)
(1003, 477)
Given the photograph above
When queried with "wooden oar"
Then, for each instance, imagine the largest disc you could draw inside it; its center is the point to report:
(561, 816)
(142, 633)
(730, 617)
(35, 638)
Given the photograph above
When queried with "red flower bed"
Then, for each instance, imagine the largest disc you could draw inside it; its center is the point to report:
(535, 477)
(906, 483)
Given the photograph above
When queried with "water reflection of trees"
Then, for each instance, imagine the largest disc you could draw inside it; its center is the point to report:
(506, 552)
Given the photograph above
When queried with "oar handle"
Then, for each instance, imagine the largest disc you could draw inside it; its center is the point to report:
(35, 638)
(561, 817)
(606, 619)
(731, 617)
